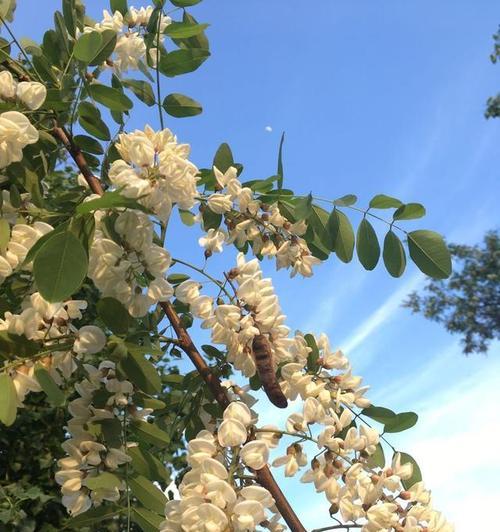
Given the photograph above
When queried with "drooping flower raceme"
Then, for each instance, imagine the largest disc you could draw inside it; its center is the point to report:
(130, 52)
(16, 132)
(218, 493)
(30, 94)
(50, 324)
(126, 264)
(104, 401)
(264, 227)
(22, 238)
(155, 170)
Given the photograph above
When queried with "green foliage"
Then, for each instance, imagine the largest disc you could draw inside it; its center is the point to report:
(180, 106)
(467, 303)
(60, 266)
(8, 400)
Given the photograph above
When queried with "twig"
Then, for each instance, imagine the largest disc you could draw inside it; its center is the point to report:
(337, 527)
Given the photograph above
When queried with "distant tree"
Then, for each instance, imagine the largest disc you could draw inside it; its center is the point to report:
(493, 103)
(467, 303)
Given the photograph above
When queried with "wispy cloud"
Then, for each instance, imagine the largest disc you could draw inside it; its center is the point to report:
(385, 313)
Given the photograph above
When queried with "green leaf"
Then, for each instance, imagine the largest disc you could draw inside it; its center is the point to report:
(88, 144)
(104, 480)
(416, 476)
(318, 220)
(113, 99)
(148, 465)
(8, 400)
(60, 267)
(14, 345)
(367, 245)
(181, 106)
(341, 235)
(88, 46)
(147, 493)
(148, 521)
(187, 217)
(430, 253)
(280, 162)
(303, 208)
(61, 228)
(150, 433)
(145, 401)
(119, 5)
(401, 422)
(4, 234)
(313, 356)
(182, 30)
(223, 158)
(394, 255)
(90, 120)
(177, 278)
(109, 200)
(211, 220)
(377, 459)
(185, 3)
(379, 413)
(114, 315)
(381, 201)
(111, 429)
(14, 196)
(182, 61)
(141, 89)
(197, 41)
(49, 386)
(409, 211)
(68, 8)
(141, 372)
(92, 516)
(345, 201)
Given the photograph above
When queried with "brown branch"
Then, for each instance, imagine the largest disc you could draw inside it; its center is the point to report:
(264, 475)
(77, 156)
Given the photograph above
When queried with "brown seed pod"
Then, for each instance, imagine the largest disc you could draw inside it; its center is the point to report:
(265, 368)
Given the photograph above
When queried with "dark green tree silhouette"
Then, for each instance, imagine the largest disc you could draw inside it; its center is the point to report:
(467, 303)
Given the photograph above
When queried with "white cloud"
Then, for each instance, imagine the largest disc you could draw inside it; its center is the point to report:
(383, 314)
(268, 129)
(455, 443)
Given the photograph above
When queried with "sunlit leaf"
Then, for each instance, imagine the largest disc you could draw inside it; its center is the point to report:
(367, 245)
(429, 252)
(394, 255)
(8, 400)
(180, 106)
(60, 267)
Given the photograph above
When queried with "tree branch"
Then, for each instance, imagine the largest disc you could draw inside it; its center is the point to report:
(264, 475)
(77, 156)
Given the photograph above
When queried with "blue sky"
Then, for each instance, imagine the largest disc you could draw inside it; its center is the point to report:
(375, 97)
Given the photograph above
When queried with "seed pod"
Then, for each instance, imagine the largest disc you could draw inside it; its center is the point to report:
(265, 368)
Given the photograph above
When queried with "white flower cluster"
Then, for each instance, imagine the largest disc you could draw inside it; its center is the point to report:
(31, 94)
(214, 494)
(155, 170)
(16, 132)
(130, 49)
(132, 271)
(236, 325)
(342, 470)
(50, 323)
(103, 399)
(250, 220)
(22, 238)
